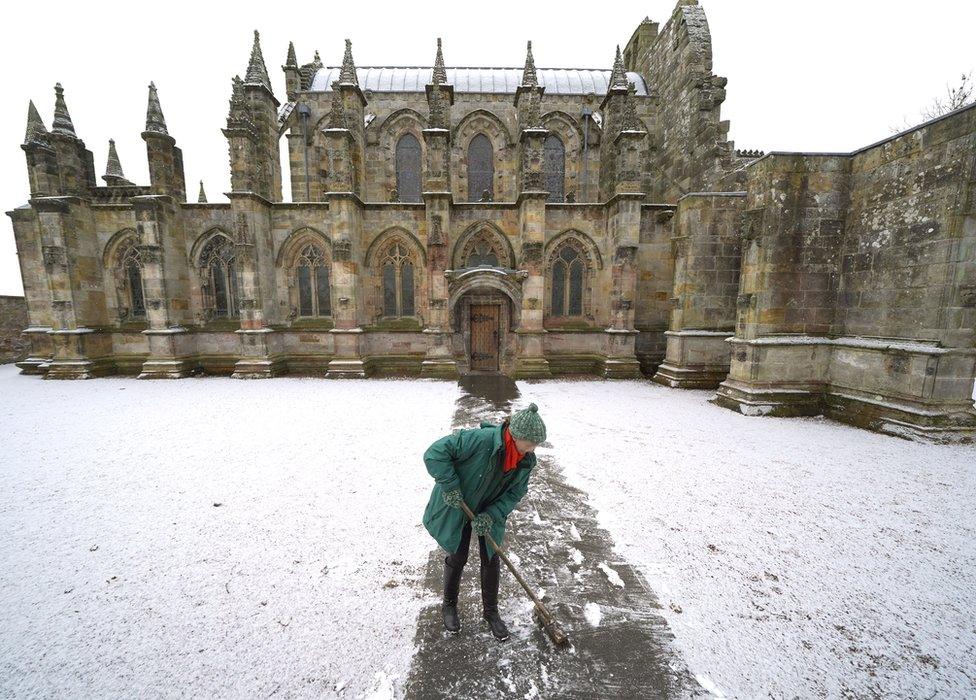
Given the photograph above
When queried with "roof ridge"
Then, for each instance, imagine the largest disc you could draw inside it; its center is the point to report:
(602, 70)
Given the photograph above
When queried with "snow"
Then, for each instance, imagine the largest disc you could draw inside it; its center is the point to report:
(593, 614)
(612, 575)
(792, 556)
(119, 576)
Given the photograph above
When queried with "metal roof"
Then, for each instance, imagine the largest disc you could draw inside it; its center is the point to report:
(556, 81)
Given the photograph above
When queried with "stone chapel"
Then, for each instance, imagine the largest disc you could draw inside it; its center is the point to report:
(529, 221)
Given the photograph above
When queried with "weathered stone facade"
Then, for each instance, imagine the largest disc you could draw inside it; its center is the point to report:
(530, 221)
(13, 321)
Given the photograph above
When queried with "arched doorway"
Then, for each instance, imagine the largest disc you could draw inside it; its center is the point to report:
(485, 312)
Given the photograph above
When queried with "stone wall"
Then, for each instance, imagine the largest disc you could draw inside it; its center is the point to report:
(691, 150)
(858, 285)
(13, 320)
(705, 246)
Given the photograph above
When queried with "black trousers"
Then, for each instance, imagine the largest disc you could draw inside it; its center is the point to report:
(460, 557)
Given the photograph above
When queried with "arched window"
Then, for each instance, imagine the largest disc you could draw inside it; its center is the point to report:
(554, 166)
(312, 275)
(481, 253)
(408, 168)
(567, 282)
(132, 296)
(481, 169)
(397, 282)
(219, 266)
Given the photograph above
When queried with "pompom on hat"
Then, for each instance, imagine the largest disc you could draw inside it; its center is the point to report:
(527, 425)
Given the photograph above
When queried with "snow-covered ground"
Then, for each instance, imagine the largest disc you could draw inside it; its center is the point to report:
(121, 577)
(793, 557)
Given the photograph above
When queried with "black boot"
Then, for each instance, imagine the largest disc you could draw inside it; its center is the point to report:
(452, 584)
(489, 597)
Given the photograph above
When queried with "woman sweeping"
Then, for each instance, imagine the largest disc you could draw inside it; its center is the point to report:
(487, 467)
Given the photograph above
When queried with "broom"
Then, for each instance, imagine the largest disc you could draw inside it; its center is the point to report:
(541, 614)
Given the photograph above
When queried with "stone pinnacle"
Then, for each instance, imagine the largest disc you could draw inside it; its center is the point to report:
(62, 120)
(155, 122)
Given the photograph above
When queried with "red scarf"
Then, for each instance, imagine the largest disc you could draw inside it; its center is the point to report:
(512, 455)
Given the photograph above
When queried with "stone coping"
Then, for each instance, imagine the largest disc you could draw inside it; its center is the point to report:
(857, 342)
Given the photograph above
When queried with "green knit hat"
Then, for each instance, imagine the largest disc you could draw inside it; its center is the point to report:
(527, 425)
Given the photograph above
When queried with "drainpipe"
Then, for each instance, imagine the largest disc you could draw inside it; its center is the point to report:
(304, 112)
(586, 149)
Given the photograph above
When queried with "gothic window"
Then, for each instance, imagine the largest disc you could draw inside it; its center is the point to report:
(132, 297)
(312, 275)
(481, 254)
(397, 273)
(220, 289)
(481, 168)
(554, 165)
(408, 168)
(567, 282)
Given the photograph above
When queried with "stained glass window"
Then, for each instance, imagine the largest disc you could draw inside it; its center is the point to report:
(481, 168)
(132, 291)
(554, 166)
(568, 272)
(408, 168)
(482, 254)
(313, 282)
(398, 291)
(406, 289)
(220, 285)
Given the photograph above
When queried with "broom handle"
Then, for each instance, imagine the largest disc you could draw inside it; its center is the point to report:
(511, 566)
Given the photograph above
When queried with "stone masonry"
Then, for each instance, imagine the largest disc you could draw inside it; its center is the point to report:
(528, 221)
(13, 321)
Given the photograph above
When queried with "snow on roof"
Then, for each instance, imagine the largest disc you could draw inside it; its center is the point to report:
(556, 81)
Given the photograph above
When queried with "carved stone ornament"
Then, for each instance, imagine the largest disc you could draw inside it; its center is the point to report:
(436, 236)
(150, 254)
(342, 250)
(244, 252)
(154, 304)
(533, 181)
(532, 252)
(54, 256)
(626, 254)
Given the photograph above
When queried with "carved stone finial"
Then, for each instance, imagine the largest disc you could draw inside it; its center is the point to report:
(202, 197)
(236, 96)
(62, 120)
(440, 72)
(257, 72)
(154, 113)
(347, 76)
(292, 60)
(618, 77)
(631, 122)
(437, 117)
(114, 167)
(529, 77)
(337, 115)
(36, 131)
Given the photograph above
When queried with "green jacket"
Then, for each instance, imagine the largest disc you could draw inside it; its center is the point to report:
(471, 459)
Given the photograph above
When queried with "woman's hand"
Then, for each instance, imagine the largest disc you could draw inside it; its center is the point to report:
(453, 498)
(482, 524)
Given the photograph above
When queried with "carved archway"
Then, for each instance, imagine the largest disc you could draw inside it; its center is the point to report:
(491, 236)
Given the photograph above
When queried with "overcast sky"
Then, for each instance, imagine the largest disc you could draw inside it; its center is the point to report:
(832, 75)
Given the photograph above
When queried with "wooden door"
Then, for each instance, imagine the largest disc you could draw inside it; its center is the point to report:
(484, 337)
